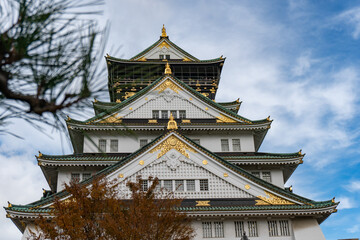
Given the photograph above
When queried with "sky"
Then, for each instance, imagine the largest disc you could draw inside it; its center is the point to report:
(295, 60)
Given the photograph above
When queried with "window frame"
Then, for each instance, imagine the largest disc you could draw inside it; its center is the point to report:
(102, 145)
(112, 149)
(236, 145)
(225, 145)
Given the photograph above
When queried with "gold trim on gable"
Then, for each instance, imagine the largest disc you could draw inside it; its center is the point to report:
(272, 200)
(112, 119)
(223, 118)
(168, 84)
(172, 143)
(164, 44)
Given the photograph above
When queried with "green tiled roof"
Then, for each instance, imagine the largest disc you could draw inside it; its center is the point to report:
(148, 88)
(231, 166)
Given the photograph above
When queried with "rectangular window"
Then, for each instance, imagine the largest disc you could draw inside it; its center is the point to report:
(164, 114)
(252, 229)
(161, 56)
(114, 145)
(144, 185)
(236, 145)
(224, 145)
(197, 141)
(266, 176)
(284, 228)
(179, 185)
(168, 185)
(273, 231)
(239, 229)
(143, 142)
(256, 174)
(207, 229)
(75, 177)
(168, 57)
(204, 185)
(86, 176)
(155, 114)
(219, 229)
(190, 185)
(102, 145)
(182, 114)
(174, 113)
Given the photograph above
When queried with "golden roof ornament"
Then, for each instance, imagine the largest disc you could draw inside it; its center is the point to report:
(167, 68)
(172, 123)
(163, 31)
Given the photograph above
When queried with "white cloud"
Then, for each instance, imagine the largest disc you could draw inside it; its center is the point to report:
(354, 186)
(352, 16)
(346, 203)
(353, 229)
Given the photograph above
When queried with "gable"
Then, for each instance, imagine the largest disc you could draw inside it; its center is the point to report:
(167, 94)
(165, 47)
(174, 157)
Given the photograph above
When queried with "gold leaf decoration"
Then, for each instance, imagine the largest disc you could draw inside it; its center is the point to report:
(167, 84)
(202, 203)
(128, 94)
(164, 44)
(272, 200)
(172, 143)
(112, 119)
(223, 118)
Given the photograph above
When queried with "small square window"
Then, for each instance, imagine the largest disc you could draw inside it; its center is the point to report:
(164, 114)
(168, 57)
(219, 229)
(174, 113)
(252, 227)
(190, 185)
(224, 145)
(239, 229)
(284, 228)
(207, 229)
(143, 142)
(155, 114)
(273, 230)
(182, 114)
(236, 145)
(266, 176)
(114, 145)
(102, 145)
(75, 177)
(168, 185)
(179, 185)
(161, 56)
(256, 174)
(86, 176)
(144, 185)
(204, 185)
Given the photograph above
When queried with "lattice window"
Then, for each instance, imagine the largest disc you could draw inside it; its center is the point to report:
(224, 145)
(75, 177)
(143, 142)
(161, 56)
(190, 185)
(167, 57)
(114, 145)
(168, 185)
(256, 174)
(182, 114)
(284, 228)
(179, 185)
(204, 185)
(239, 228)
(207, 229)
(219, 229)
(155, 114)
(164, 114)
(102, 145)
(252, 228)
(266, 176)
(273, 230)
(236, 145)
(86, 176)
(144, 185)
(174, 113)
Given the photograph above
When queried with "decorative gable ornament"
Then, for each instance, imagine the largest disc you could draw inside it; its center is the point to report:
(172, 142)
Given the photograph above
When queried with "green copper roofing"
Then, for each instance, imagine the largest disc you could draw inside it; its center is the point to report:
(148, 88)
(32, 207)
(118, 157)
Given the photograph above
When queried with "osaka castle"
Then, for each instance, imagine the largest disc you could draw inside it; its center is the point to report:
(203, 150)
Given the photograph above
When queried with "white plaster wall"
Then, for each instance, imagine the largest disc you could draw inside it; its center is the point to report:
(277, 177)
(64, 174)
(306, 229)
(229, 229)
(130, 143)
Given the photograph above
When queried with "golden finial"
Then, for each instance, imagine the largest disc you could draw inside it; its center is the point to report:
(172, 123)
(9, 204)
(167, 68)
(95, 100)
(40, 154)
(268, 118)
(300, 152)
(107, 55)
(333, 200)
(163, 31)
(68, 118)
